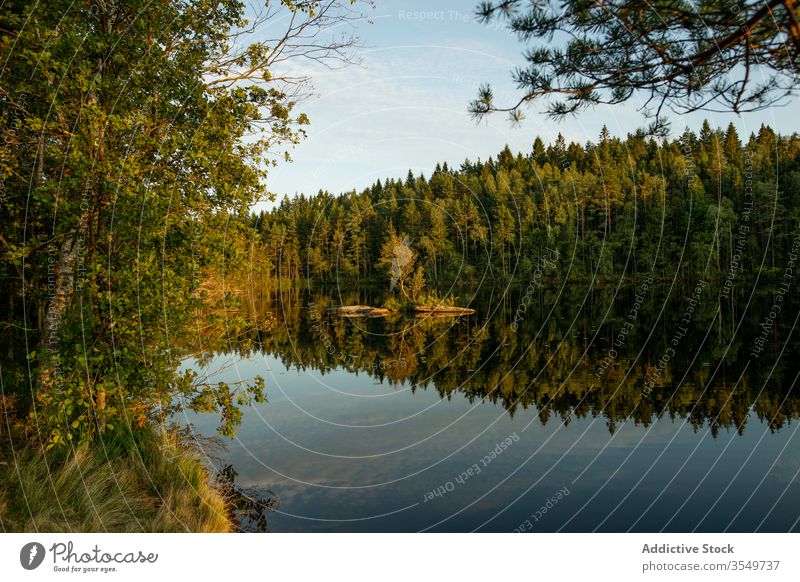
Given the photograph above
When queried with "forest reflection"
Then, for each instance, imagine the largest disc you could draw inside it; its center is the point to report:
(617, 353)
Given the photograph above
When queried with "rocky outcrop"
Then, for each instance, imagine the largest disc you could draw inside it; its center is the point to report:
(359, 311)
(442, 310)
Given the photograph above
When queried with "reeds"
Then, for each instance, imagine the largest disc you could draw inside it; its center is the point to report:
(145, 481)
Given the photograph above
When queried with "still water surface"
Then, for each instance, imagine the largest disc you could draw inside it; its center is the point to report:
(561, 417)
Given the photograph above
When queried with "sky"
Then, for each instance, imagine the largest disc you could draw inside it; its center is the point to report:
(405, 105)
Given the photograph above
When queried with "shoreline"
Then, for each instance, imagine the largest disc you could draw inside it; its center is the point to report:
(153, 482)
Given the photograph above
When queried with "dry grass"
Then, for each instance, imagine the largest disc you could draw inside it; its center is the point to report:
(151, 483)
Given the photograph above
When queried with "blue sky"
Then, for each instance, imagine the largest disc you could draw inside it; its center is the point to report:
(405, 106)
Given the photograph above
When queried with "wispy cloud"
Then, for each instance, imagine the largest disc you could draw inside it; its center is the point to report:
(406, 105)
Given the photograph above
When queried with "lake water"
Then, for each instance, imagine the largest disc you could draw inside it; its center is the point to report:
(635, 409)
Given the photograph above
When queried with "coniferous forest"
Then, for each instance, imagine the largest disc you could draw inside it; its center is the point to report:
(708, 203)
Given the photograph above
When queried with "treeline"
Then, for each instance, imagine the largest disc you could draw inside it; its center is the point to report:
(704, 203)
(558, 361)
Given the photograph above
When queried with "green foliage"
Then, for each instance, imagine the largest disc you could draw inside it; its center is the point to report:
(394, 304)
(228, 401)
(607, 209)
(416, 286)
(432, 298)
(683, 55)
(136, 136)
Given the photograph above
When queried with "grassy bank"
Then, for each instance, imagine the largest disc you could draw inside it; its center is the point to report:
(147, 481)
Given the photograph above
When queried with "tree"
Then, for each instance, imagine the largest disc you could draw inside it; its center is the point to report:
(685, 55)
(134, 132)
(503, 236)
(539, 153)
(397, 258)
(435, 242)
(417, 284)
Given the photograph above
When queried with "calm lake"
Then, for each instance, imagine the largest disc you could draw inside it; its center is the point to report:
(644, 408)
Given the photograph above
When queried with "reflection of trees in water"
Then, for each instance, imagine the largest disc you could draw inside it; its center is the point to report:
(545, 364)
(248, 506)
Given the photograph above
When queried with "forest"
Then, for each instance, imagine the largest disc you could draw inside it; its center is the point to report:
(707, 203)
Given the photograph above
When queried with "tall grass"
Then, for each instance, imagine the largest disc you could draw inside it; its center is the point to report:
(146, 481)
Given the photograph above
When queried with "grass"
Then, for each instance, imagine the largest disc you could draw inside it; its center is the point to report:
(148, 481)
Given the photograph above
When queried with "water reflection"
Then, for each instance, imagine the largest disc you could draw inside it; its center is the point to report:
(567, 361)
(649, 421)
(249, 508)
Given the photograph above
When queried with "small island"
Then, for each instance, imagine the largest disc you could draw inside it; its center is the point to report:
(442, 310)
(407, 289)
(417, 310)
(359, 311)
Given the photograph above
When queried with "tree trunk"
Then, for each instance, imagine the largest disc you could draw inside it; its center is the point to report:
(61, 286)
